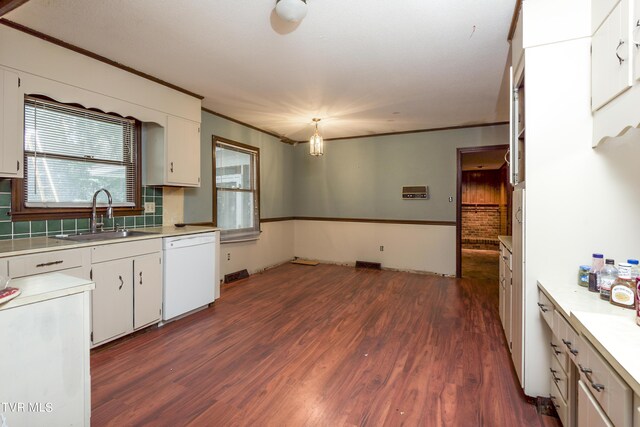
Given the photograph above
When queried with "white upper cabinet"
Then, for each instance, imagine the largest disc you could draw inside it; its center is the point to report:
(610, 57)
(634, 23)
(600, 10)
(183, 152)
(173, 153)
(10, 126)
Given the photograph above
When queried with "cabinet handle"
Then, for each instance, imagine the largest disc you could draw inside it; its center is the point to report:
(542, 307)
(554, 348)
(620, 59)
(47, 264)
(587, 373)
(635, 42)
(573, 351)
(17, 165)
(506, 157)
(172, 167)
(141, 277)
(121, 282)
(519, 211)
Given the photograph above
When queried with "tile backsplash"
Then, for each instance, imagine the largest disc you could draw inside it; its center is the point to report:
(24, 229)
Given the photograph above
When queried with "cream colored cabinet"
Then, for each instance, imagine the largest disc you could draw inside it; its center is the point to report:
(10, 126)
(517, 304)
(635, 38)
(610, 58)
(589, 412)
(112, 305)
(72, 262)
(505, 292)
(128, 293)
(636, 411)
(173, 153)
(147, 289)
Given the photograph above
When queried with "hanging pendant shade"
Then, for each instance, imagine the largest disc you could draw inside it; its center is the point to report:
(316, 143)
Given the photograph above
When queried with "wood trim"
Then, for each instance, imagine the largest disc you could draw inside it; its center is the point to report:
(284, 218)
(477, 125)
(7, 6)
(459, 153)
(95, 56)
(231, 119)
(514, 20)
(377, 221)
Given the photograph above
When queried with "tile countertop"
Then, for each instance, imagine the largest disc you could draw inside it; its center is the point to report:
(506, 240)
(611, 330)
(44, 244)
(44, 287)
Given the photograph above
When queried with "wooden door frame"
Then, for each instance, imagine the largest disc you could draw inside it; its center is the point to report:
(460, 152)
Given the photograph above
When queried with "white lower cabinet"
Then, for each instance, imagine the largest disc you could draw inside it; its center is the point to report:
(589, 412)
(128, 293)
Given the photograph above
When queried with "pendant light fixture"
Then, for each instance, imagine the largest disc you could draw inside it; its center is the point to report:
(291, 10)
(316, 143)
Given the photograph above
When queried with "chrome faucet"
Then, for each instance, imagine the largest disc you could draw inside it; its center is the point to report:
(94, 222)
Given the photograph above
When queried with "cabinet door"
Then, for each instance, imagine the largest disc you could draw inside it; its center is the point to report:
(10, 129)
(508, 307)
(112, 300)
(147, 289)
(589, 412)
(635, 39)
(183, 152)
(610, 60)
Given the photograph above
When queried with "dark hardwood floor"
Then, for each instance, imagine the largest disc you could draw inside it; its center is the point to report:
(320, 346)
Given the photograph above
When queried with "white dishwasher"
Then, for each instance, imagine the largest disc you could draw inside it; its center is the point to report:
(190, 273)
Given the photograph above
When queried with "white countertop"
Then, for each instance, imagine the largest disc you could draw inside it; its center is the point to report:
(43, 244)
(612, 330)
(507, 242)
(44, 287)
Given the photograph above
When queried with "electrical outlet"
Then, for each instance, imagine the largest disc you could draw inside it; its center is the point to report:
(149, 207)
(228, 256)
(381, 248)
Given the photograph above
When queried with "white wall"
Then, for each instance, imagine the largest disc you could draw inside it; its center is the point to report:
(579, 200)
(429, 248)
(274, 247)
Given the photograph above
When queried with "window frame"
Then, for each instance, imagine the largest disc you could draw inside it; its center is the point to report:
(236, 235)
(20, 212)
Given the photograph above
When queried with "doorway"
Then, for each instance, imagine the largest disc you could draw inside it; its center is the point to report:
(483, 210)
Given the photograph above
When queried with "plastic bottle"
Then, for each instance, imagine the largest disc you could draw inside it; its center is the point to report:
(597, 262)
(635, 269)
(623, 290)
(608, 276)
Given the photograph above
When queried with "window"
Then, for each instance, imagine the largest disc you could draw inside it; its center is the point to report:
(236, 193)
(70, 153)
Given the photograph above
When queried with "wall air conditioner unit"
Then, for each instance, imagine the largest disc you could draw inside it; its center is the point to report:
(415, 192)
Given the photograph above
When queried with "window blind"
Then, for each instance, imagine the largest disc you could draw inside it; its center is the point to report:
(71, 152)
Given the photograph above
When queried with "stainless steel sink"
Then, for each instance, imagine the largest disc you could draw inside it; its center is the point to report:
(103, 235)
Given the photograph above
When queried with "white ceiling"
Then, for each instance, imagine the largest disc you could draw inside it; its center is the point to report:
(363, 66)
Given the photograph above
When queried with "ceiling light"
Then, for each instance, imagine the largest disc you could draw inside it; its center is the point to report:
(291, 10)
(316, 143)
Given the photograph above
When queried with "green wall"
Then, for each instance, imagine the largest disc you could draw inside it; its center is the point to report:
(363, 177)
(276, 170)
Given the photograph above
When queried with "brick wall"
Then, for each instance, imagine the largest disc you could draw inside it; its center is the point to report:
(481, 226)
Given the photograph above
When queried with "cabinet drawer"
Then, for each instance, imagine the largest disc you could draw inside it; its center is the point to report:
(574, 344)
(46, 262)
(613, 394)
(559, 353)
(559, 377)
(559, 403)
(546, 308)
(128, 249)
(561, 333)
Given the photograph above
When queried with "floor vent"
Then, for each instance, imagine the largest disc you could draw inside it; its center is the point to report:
(232, 277)
(367, 264)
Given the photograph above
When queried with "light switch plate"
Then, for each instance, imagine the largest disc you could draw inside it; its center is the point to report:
(149, 207)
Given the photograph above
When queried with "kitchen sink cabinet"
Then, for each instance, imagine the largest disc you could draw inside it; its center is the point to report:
(128, 294)
(147, 289)
(112, 300)
(173, 153)
(10, 125)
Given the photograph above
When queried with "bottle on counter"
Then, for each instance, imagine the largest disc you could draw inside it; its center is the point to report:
(623, 290)
(635, 269)
(597, 262)
(608, 275)
(583, 275)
